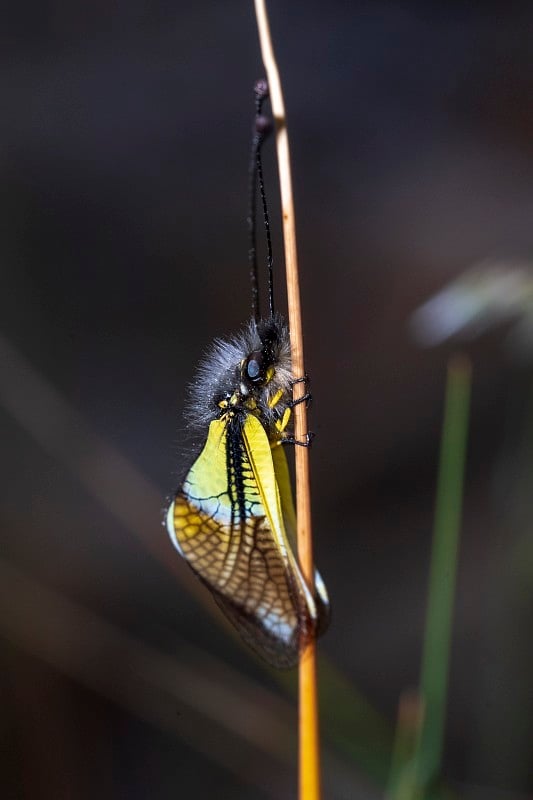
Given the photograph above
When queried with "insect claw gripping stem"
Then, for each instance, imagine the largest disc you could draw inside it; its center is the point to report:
(309, 436)
(303, 379)
(306, 398)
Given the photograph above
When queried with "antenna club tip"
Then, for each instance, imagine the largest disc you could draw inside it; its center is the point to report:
(261, 89)
(263, 125)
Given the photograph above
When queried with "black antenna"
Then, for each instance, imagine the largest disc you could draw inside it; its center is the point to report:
(262, 127)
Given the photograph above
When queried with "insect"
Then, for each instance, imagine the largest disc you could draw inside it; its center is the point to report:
(232, 518)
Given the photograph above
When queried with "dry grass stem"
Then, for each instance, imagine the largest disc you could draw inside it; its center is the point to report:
(309, 768)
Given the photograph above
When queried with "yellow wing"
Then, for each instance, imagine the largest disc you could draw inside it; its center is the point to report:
(283, 481)
(227, 522)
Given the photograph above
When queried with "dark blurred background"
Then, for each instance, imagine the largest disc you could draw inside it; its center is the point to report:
(124, 149)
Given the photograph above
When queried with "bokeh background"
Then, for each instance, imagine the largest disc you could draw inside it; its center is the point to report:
(124, 149)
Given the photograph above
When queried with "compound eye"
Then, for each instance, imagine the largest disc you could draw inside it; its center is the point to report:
(254, 367)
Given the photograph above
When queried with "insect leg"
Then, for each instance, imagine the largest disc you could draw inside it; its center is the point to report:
(309, 436)
(305, 398)
(303, 379)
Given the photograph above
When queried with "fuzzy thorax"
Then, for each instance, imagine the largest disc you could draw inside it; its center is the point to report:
(249, 372)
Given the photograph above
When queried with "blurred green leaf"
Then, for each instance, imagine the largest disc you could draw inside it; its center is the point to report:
(435, 658)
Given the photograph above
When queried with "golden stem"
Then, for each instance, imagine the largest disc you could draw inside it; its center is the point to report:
(309, 762)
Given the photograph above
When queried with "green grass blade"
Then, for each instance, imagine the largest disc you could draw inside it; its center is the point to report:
(435, 658)
(401, 778)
